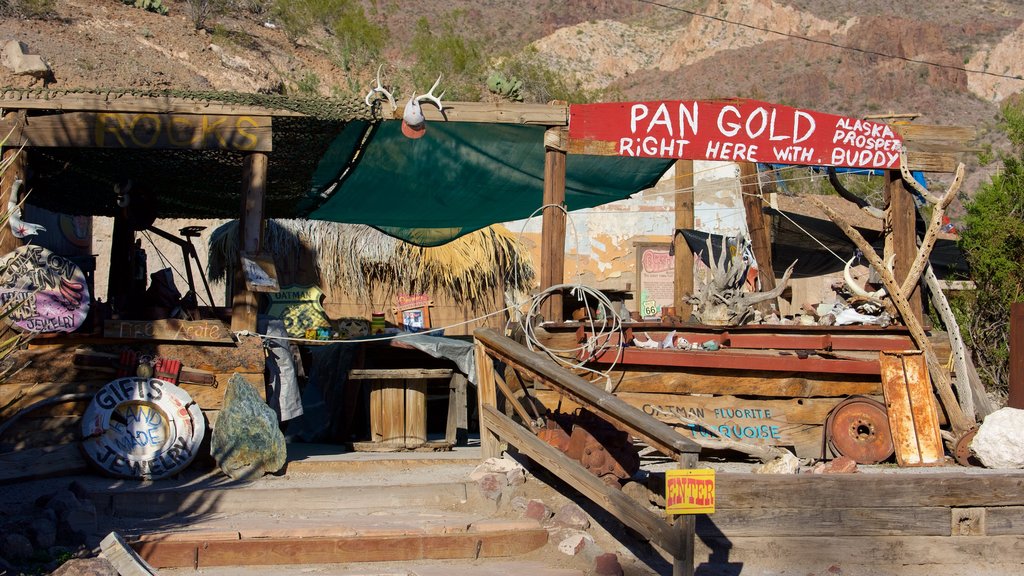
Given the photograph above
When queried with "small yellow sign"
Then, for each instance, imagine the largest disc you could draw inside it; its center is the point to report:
(690, 491)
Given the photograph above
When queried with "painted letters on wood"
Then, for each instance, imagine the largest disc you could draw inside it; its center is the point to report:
(170, 329)
(46, 292)
(738, 130)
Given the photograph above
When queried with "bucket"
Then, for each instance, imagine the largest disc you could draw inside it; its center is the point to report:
(377, 323)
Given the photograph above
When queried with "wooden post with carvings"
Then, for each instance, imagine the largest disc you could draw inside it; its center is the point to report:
(14, 158)
(552, 244)
(904, 232)
(760, 235)
(684, 190)
(244, 305)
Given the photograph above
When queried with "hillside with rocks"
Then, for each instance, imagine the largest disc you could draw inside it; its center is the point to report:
(616, 50)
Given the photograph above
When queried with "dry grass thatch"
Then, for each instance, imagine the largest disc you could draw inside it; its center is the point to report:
(359, 259)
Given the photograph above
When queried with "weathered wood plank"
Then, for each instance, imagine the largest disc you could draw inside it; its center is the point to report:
(865, 554)
(15, 100)
(169, 329)
(736, 383)
(29, 432)
(41, 463)
(831, 521)
(1004, 521)
(143, 131)
(868, 490)
(274, 551)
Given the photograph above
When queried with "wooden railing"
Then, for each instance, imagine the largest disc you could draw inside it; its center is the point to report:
(676, 538)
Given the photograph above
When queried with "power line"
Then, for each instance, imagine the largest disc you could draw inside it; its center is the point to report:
(832, 44)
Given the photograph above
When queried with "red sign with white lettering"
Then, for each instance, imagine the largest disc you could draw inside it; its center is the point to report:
(738, 130)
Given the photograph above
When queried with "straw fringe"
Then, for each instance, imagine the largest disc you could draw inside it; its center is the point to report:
(360, 259)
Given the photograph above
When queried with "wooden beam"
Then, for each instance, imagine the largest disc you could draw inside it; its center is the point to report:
(486, 395)
(552, 250)
(142, 130)
(684, 197)
(904, 232)
(14, 159)
(760, 235)
(657, 434)
(496, 112)
(1016, 385)
(244, 305)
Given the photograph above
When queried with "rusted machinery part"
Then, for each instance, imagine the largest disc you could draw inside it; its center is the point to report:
(962, 449)
(858, 427)
(602, 449)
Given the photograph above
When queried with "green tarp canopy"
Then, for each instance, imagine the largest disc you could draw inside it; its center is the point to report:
(341, 164)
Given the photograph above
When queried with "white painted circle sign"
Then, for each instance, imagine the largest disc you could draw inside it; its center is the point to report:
(142, 428)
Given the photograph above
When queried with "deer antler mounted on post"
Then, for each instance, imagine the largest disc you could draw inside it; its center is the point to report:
(721, 301)
(379, 91)
(413, 122)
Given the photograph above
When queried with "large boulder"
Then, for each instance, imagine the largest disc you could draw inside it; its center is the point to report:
(999, 442)
(247, 442)
(14, 58)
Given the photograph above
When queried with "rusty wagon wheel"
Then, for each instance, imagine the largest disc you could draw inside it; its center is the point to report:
(858, 427)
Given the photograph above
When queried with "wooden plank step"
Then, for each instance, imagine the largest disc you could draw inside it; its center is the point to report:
(327, 550)
(142, 502)
(495, 567)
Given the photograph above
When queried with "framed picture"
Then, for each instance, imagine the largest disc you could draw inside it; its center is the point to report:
(413, 313)
(260, 273)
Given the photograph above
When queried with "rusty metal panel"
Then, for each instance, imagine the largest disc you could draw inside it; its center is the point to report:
(909, 400)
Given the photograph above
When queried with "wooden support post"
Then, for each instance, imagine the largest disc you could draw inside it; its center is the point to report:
(1016, 399)
(903, 213)
(244, 306)
(760, 235)
(14, 159)
(552, 244)
(486, 395)
(686, 529)
(683, 285)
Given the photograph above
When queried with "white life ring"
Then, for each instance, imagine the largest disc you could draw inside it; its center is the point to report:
(142, 428)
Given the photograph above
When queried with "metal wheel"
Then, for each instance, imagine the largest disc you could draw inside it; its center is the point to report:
(962, 452)
(858, 427)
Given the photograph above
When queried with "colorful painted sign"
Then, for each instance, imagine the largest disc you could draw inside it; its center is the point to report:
(655, 270)
(51, 293)
(690, 491)
(300, 309)
(735, 130)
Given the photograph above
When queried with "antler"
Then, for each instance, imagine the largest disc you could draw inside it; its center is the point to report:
(909, 179)
(380, 90)
(429, 96)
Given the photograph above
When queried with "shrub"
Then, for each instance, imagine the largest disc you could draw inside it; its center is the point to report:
(28, 8)
(993, 243)
(148, 5)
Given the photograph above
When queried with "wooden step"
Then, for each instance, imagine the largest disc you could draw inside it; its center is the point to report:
(262, 547)
(495, 567)
(148, 502)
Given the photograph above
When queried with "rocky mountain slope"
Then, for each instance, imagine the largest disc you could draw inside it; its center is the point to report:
(630, 49)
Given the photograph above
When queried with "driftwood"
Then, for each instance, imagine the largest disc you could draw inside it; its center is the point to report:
(940, 379)
(958, 351)
(721, 301)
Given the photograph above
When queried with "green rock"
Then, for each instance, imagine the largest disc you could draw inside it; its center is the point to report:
(247, 442)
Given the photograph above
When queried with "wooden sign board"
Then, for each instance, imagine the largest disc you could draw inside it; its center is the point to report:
(168, 329)
(299, 308)
(736, 130)
(690, 491)
(143, 130)
(655, 278)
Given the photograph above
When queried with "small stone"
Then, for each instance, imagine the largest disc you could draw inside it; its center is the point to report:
(785, 464)
(519, 504)
(17, 61)
(44, 532)
(999, 442)
(491, 485)
(501, 466)
(574, 544)
(571, 516)
(516, 477)
(840, 465)
(79, 524)
(538, 511)
(16, 547)
(63, 501)
(607, 565)
(247, 441)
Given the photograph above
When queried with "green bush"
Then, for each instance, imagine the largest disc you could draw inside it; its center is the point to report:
(28, 8)
(446, 52)
(993, 242)
(156, 6)
(355, 41)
